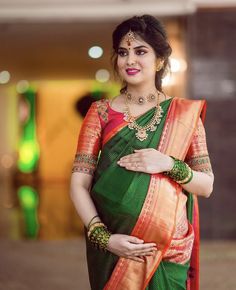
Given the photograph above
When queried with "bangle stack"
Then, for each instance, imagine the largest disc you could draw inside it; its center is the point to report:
(181, 172)
(98, 234)
(90, 223)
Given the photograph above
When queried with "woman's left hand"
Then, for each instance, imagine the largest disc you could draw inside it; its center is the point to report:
(148, 160)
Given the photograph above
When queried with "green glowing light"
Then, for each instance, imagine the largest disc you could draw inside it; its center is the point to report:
(29, 202)
(28, 156)
(28, 147)
(28, 197)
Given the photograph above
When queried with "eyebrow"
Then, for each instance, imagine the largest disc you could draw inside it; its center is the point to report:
(141, 46)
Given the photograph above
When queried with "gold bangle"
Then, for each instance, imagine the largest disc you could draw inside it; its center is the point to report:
(188, 177)
(99, 237)
(93, 226)
(90, 223)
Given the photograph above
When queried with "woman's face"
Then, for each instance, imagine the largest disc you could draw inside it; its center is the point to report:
(136, 62)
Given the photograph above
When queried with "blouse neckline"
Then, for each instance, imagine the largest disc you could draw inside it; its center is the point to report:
(118, 112)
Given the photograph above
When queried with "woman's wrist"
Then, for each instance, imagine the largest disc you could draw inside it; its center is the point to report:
(99, 236)
(92, 220)
(170, 164)
(180, 171)
(98, 233)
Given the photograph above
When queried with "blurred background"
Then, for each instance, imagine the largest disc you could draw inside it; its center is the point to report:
(54, 61)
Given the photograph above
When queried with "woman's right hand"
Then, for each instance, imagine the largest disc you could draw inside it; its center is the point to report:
(130, 247)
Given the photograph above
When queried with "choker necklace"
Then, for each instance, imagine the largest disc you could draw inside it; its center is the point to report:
(139, 100)
(141, 133)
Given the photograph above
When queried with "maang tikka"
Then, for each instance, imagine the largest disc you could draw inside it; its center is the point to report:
(130, 37)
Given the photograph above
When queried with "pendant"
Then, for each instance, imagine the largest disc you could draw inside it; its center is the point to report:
(141, 135)
(141, 100)
(153, 128)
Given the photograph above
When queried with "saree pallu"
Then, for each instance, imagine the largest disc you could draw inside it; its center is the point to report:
(147, 206)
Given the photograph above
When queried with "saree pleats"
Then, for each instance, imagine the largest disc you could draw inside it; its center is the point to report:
(142, 205)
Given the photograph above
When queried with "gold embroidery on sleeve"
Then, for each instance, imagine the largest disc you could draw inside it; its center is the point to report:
(197, 157)
(89, 143)
(84, 163)
(103, 109)
(200, 163)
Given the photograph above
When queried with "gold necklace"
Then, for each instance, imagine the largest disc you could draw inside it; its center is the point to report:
(139, 100)
(141, 133)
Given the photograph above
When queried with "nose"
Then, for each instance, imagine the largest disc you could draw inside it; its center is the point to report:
(131, 60)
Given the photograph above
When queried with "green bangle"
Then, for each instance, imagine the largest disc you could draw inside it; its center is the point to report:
(99, 237)
(181, 172)
(188, 179)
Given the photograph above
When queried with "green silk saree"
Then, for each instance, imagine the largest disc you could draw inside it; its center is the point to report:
(119, 196)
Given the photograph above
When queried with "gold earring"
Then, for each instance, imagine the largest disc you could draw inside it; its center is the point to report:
(160, 65)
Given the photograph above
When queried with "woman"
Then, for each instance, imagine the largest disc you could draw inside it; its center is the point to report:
(138, 197)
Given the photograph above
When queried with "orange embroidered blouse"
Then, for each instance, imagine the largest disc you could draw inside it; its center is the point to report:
(97, 120)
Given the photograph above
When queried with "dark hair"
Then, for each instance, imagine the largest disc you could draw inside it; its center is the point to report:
(152, 31)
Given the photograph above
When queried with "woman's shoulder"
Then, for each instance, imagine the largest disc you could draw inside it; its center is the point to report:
(104, 104)
(101, 103)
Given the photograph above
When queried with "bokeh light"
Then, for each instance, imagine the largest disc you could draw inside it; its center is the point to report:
(102, 75)
(22, 86)
(4, 77)
(95, 52)
(177, 65)
(7, 161)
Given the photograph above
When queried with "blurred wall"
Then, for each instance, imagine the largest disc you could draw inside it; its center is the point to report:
(58, 126)
(211, 47)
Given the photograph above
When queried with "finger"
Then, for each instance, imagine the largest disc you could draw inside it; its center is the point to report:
(138, 243)
(145, 253)
(135, 240)
(127, 156)
(144, 247)
(131, 159)
(134, 168)
(144, 149)
(140, 252)
(130, 156)
(137, 259)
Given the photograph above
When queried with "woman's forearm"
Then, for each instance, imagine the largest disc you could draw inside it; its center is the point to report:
(201, 184)
(82, 201)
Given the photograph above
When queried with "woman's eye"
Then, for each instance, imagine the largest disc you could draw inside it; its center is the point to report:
(122, 53)
(140, 52)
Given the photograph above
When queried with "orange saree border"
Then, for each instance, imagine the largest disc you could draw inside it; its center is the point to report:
(156, 222)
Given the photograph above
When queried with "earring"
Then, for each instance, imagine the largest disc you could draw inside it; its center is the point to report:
(160, 65)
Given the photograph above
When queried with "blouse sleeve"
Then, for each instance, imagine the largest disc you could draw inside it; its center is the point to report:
(197, 157)
(89, 143)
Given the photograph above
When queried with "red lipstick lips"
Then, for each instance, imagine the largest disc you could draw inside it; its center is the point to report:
(132, 71)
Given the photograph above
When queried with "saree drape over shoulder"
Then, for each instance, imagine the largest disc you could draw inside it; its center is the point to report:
(149, 206)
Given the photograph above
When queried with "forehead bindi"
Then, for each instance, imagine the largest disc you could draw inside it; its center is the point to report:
(135, 44)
